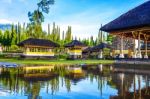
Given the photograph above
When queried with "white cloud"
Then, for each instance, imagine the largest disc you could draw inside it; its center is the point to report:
(5, 21)
(84, 24)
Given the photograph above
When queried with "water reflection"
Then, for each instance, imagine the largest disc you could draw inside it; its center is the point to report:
(72, 82)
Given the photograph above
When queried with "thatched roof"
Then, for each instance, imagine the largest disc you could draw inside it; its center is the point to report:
(100, 47)
(88, 49)
(75, 43)
(135, 18)
(38, 42)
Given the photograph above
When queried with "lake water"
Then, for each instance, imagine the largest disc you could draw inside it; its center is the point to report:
(87, 82)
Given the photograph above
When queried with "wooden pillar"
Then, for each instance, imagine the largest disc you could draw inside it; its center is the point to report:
(134, 50)
(100, 56)
(121, 48)
(134, 34)
(139, 55)
(146, 56)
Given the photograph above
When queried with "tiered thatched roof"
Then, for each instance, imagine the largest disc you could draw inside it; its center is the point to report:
(38, 42)
(137, 20)
(137, 17)
(75, 43)
(99, 47)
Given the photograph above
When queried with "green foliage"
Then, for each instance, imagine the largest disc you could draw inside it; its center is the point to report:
(1, 37)
(14, 48)
(7, 39)
(110, 39)
(106, 52)
(37, 17)
(63, 56)
(35, 31)
(68, 36)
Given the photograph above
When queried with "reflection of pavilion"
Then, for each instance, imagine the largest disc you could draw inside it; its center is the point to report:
(133, 24)
(75, 74)
(37, 73)
(100, 70)
(138, 91)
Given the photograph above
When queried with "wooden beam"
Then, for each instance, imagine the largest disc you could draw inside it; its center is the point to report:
(131, 30)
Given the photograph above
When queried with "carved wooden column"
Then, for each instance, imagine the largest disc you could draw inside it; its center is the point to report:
(139, 55)
(134, 44)
(145, 56)
(121, 48)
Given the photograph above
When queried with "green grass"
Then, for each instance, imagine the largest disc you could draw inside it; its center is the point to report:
(56, 62)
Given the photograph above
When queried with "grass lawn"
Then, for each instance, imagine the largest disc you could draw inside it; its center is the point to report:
(56, 62)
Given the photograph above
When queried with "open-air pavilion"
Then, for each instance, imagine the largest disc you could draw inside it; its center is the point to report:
(133, 24)
(37, 48)
(99, 49)
(75, 49)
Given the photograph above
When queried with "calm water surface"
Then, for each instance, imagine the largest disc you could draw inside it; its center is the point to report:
(87, 82)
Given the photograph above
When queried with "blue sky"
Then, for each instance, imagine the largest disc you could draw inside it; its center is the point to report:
(85, 16)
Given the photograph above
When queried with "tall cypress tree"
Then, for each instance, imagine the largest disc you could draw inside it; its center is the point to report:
(13, 35)
(68, 36)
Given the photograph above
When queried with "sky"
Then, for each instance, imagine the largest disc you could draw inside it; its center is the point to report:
(85, 16)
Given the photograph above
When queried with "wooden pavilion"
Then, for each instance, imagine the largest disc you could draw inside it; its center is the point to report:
(128, 47)
(133, 24)
(99, 49)
(37, 48)
(86, 53)
(75, 49)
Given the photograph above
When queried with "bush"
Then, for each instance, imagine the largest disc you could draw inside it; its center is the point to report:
(2, 55)
(14, 48)
(62, 56)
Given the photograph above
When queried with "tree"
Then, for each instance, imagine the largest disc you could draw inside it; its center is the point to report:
(19, 32)
(37, 17)
(68, 36)
(110, 39)
(13, 35)
(1, 37)
(23, 33)
(91, 41)
(7, 39)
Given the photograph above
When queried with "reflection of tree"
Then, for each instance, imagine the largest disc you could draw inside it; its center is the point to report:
(61, 70)
(54, 85)
(101, 75)
(68, 84)
(123, 83)
(9, 80)
(101, 83)
(34, 91)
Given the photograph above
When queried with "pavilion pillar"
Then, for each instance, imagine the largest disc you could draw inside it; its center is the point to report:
(134, 49)
(121, 49)
(139, 55)
(100, 56)
(134, 44)
(146, 56)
